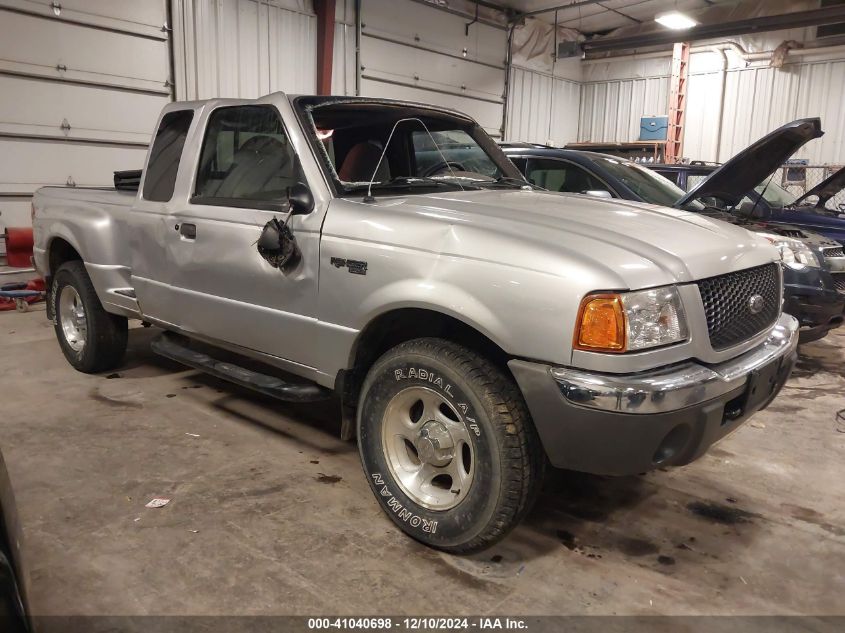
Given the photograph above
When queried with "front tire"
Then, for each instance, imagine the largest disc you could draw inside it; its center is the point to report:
(91, 339)
(447, 445)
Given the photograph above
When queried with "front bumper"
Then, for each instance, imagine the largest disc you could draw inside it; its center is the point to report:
(812, 297)
(622, 424)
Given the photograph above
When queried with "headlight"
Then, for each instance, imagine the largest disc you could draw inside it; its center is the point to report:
(630, 321)
(793, 253)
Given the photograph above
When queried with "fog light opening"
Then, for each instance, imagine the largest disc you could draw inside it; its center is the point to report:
(672, 445)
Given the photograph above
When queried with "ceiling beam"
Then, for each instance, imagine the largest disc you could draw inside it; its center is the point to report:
(798, 19)
(560, 7)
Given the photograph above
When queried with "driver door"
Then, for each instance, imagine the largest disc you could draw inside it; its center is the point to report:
(224, 290)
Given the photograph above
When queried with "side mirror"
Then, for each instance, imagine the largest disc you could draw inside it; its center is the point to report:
(301, 199)
(598, 193)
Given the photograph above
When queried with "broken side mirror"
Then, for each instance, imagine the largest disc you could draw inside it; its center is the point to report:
(277, 244)
(301, 199)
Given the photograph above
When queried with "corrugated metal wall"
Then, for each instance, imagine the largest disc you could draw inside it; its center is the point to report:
(243, 48)
(542, 108)
(614, 95)
(757, 100)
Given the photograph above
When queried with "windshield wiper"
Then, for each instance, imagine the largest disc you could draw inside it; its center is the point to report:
(503, 181)
(405, 182)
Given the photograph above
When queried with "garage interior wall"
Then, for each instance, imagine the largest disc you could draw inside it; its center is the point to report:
(731, 101)
(83, 84)
(90, 77)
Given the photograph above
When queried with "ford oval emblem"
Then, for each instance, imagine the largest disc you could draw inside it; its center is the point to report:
(756, 303)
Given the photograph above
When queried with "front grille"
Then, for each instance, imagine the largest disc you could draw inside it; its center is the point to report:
(834, 252)
(727, 306)
(839, 281)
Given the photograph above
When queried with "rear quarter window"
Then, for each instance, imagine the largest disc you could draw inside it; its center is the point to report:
(160, 179)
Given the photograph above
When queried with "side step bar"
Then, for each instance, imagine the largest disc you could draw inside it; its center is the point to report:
(166, 345)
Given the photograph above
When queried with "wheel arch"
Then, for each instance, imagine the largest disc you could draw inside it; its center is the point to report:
(395, 326)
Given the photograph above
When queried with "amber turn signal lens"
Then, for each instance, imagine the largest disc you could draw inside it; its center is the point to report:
(601, 324)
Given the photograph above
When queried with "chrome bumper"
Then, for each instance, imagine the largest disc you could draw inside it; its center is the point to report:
(676, 387)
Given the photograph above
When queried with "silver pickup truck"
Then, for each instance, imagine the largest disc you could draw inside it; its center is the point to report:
(473, 327)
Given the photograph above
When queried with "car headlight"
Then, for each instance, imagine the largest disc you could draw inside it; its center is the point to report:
(630, 321)
(793, 253)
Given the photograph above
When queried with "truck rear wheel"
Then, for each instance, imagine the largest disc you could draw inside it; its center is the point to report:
(91, 339)
(447, 445)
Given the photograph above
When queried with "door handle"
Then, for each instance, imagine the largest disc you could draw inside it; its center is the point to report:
(188, 231)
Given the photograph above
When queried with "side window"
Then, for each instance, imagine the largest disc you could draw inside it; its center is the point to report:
(160, 178)
(556, 175)
(246, 158)
(674, 176)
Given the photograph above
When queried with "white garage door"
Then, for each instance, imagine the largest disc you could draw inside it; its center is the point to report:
(412, 51)
(82, 82)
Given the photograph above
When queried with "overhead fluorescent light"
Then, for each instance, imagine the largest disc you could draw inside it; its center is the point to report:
(675, 20)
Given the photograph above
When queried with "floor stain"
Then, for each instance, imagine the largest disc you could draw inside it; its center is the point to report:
(636, 547)
(665, 560)
(718, 513)
(328, 479)
(808, 515)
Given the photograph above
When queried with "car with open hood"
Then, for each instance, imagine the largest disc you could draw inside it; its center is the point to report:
(816, 211)
(814, 265)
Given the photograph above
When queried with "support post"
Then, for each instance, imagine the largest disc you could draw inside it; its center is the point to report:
(325, 44)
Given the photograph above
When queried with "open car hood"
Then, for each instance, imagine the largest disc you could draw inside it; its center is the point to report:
(826, 189)
(734, 179)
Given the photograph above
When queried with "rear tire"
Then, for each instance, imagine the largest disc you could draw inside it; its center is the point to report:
(91, 339)
(447, 445)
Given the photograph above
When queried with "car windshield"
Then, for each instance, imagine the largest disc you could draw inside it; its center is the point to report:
(775, 195)
(647, 184)
(385, 145)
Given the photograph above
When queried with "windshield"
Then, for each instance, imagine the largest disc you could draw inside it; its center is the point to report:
(775, 195)
(647, 184)
(386, 145)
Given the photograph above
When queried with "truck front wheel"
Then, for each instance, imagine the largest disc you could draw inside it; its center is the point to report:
(447, 445)
(91, 339)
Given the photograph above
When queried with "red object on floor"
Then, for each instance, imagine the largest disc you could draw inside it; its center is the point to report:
(19, 247)
(34, 285)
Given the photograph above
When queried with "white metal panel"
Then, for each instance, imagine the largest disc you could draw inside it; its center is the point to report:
(14, 211)
(488, 115)
(421, 53)
(542, 108)
(428, 27)
(54, 49)
(36, 163)
(242, 48)
(343, 62)
(611, 111)
(146, 18)
(39, 108)
(758, 100)
(397, 62)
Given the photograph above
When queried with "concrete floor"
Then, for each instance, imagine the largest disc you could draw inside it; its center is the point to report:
(270, 512)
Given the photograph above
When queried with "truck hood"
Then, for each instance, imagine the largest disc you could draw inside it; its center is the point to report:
(638, 245)
(735, 178)
(826, 189)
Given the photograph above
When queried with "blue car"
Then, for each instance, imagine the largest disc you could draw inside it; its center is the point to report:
(813, 265)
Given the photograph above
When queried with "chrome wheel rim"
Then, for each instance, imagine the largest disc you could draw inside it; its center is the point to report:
(72, 318)
(428, 448)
